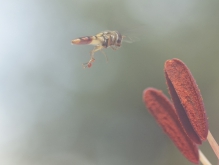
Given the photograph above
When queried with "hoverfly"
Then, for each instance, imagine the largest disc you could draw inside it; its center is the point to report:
(105, 39)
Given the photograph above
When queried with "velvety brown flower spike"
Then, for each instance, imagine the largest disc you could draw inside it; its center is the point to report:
(165, 114)
(187, 100)
(185, 120)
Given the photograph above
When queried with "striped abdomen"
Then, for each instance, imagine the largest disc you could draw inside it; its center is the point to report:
(82, 40)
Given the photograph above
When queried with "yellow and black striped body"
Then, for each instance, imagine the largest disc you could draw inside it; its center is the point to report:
(102, 40)
(105, 39)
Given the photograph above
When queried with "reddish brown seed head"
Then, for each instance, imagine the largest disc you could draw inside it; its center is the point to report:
(82, 40)
(165, 114)
(187, 99)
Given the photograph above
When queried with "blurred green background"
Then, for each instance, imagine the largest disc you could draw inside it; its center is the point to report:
(52, 111)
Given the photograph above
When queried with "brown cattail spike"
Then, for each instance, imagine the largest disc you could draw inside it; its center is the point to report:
(187, 99)
(165, 114)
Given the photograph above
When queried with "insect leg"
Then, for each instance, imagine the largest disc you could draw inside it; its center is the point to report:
(114, 47)
(105, 55)
(92, 59)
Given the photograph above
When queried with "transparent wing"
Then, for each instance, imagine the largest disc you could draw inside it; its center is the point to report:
(130, 39)
(133, 35)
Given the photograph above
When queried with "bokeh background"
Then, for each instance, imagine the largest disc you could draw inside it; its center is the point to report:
(52, 111)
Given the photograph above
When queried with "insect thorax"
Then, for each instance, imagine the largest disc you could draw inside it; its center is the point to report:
(112, 38)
